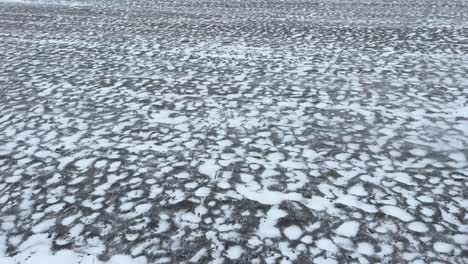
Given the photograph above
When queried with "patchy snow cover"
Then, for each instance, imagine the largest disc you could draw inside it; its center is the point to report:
(233, 131)
(267, 227)
(38, 252)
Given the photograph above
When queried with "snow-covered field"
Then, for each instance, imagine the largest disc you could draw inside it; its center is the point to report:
(198, 131)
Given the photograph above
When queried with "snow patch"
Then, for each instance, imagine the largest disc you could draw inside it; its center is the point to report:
(348, 229)
(396, 212)
(293, 232)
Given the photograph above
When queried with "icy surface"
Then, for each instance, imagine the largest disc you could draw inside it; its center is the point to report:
(237, 131)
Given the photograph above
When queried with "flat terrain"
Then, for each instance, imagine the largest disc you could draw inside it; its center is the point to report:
(234, 131)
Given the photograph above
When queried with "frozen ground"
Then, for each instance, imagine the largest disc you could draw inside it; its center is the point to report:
(233, 131)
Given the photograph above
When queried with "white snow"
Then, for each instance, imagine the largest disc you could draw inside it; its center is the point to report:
(397, 213)
(142, 208)
(293, 232)
(418, 152)
(36, 251)
(307, 239)
(184, 141)
(114, 166)
(13, 179)
(43, 226)
(443, 247)
(358, 190)
(418, 227)
(84, 164)
(365, 248)
(327, 245)
(209, 168)
(348, 229)
(202, 192)
(266, 196)
(458, 156)
(401, 177)
(461, 239)
(267, 227)
(168, 117)
(201, 253)
(234, 252)
(425, 199)
(276, 157)
(224, 143)
(310, 154)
